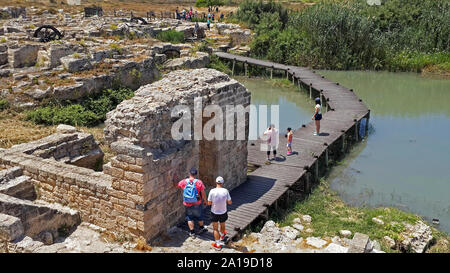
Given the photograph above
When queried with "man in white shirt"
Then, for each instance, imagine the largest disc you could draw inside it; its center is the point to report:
(272, 141)
(218, 199)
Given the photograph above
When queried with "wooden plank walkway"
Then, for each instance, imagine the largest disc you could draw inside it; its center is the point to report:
(269, 182)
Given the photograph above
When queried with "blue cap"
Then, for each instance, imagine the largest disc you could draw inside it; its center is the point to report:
(193, 171)
(317, 99)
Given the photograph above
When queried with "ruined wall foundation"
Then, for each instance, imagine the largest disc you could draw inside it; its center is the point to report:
(136, 193)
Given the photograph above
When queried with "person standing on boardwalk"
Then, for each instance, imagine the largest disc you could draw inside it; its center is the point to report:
(193, 193)
(218, 199)
(317, 116)
(209, 24)
(289, 136)
(272, 141)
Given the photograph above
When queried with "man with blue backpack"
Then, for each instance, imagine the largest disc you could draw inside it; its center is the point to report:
(193, 194)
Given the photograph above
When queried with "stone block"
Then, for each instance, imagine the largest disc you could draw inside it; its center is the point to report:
(76, 63)
(359, 243)
(23, 56)
(11, 228)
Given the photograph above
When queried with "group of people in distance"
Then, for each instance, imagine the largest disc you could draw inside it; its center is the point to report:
(188, 15)
(194, 195)
(194, 198)
(272, 133)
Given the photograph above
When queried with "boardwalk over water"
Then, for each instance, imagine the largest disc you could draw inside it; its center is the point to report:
(344, 122)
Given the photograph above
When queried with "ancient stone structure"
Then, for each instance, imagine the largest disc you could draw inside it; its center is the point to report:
(149, 161)
(136, 192)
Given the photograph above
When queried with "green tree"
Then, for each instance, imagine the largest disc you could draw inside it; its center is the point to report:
(209, 3)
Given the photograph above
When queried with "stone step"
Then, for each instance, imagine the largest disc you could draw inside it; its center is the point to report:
(9, 174)
(20, 187)
(39, 217)
(11, 228)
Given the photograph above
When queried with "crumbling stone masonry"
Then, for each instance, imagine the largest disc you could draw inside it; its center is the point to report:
(136, 192)
(150, 162)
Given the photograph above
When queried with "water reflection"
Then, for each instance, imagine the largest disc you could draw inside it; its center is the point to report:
(405, 161)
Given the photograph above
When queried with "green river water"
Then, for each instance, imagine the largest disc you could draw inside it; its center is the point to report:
(405, 161)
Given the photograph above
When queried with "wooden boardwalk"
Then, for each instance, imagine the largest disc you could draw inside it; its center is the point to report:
(268, 183)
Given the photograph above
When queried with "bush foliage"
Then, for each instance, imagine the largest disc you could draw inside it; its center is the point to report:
(171, 36)
(351, 34)
(90, 112)
(4, 104)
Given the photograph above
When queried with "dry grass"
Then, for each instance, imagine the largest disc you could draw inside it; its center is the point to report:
(15, 130)
(141, 244)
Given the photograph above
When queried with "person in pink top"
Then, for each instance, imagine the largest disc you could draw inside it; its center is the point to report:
(194, 210)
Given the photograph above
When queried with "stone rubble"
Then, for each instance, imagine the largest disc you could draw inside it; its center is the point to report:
(104, 52)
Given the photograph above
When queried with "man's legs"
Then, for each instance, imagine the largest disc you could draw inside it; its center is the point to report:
(191, 225)
(190, 219)
(222, 228)
(216, 231)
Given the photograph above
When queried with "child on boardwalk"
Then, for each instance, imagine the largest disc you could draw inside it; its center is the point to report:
(289, 136)
(218, 199)
(317, 116)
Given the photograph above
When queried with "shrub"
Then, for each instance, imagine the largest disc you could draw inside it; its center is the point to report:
(74, 114)
(92, 111)
(116, 47)
(4, 104)
(399, 34)
(208, 3)
(216, 63)
(171, 36)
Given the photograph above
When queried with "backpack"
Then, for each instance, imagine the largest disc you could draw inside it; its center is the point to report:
(190, 192)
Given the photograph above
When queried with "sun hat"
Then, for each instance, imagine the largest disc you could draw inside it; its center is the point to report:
(219, 180)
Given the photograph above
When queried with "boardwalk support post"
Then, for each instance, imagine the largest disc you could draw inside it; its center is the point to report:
(246, 67)
(293, 78)
(321, 96)
(356, 130)
(343, 143)
(232, 70)
(310, 91)
(326, 157)
(288, 197)
(307, 183)
(367, 125)
(271, 72)
(316, 170)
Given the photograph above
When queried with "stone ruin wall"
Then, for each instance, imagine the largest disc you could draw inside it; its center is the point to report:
(136, 192)
(139, 130)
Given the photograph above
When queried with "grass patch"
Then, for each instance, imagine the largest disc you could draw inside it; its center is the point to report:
(279, 82)
(330, 215)
(91, 112)
(416, 61)
(171, 36)
(217, 64)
